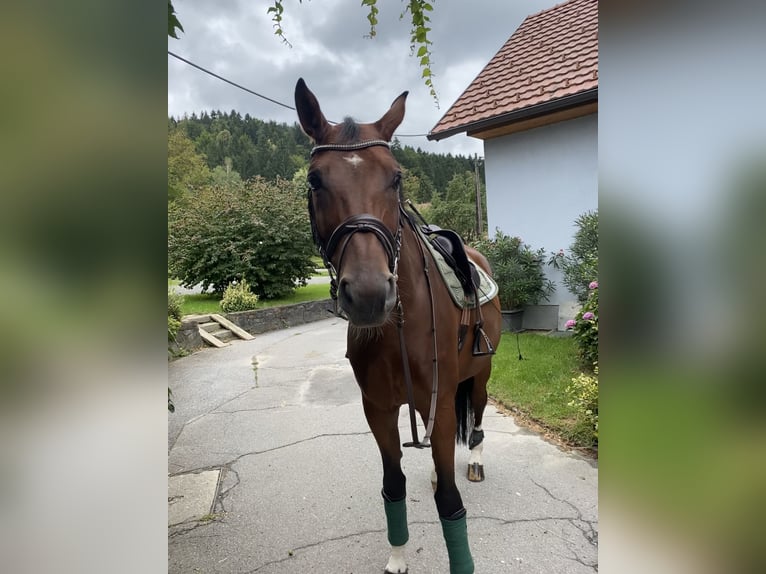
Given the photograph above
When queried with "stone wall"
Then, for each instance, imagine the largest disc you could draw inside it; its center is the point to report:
(188, 338)
(273, 318)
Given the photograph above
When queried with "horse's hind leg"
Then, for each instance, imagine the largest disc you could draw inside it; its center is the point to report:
(476, 440)
(384, 427)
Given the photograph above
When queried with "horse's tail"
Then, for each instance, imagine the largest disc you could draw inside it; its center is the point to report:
(464, 411)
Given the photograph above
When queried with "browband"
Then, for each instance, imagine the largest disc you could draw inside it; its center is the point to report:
(348, 147)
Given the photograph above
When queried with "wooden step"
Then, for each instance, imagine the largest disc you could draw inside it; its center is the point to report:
(223, 335)
(211, 339)
(238, 331)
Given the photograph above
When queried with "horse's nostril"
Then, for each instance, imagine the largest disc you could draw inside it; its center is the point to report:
(344, 290)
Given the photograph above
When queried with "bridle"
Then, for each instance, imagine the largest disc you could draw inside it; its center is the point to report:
(392, 245)
(363, 223)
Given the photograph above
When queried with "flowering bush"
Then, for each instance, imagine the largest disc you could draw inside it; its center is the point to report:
(238, 297)
(584, 394)
(585, 327)
(581, 263)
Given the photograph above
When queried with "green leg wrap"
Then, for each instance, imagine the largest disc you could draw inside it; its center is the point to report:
(396, 520)
(456, 537)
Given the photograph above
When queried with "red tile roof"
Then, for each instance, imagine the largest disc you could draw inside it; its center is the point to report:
(552, 55)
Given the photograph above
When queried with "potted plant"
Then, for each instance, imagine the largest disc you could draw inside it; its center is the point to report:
(518, 271)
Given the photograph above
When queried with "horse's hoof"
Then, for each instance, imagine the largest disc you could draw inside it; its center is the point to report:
(475, 472)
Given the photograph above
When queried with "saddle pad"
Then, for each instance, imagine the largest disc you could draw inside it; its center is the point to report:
(487, 287)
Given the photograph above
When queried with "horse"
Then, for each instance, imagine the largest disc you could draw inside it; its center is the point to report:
(407, 341)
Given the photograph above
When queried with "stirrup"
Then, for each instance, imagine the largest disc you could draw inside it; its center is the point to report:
(477, 352)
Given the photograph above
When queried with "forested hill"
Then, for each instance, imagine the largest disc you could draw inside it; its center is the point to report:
(255, 147)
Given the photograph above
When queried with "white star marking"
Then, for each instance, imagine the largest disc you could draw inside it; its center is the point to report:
(353, 159)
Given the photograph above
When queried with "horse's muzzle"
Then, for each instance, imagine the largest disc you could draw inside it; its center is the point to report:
(367, 300)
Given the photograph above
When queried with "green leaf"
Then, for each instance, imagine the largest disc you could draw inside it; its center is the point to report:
(173, 22)
(422, 51)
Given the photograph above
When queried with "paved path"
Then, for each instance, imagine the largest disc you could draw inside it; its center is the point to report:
(300, 486)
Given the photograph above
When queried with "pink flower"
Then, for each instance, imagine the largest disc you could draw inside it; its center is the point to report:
(593, 285)
(587, 316)
(570, 324)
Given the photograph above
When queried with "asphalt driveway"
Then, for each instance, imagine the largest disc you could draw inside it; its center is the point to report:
(273, 470)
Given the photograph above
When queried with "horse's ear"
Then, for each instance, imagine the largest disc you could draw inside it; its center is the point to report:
(392, 118)
(310, 115)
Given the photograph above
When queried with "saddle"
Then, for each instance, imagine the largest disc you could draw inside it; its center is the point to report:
(451, 247)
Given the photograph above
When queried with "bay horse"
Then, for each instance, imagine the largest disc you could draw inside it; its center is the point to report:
(403, 333)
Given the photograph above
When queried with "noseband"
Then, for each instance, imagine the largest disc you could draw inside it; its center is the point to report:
(364, 223)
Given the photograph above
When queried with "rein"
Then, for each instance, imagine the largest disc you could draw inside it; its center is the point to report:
(366, 223)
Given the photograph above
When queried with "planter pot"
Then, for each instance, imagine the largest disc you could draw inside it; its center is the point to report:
(512, 320)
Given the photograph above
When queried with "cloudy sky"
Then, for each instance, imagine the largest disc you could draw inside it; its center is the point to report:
(351, 75)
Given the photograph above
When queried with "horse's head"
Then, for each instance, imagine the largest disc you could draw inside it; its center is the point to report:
(354, 205)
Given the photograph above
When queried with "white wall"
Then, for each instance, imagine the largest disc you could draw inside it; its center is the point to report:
(538, 182)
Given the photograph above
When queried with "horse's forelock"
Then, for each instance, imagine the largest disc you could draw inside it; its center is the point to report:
(349, 131)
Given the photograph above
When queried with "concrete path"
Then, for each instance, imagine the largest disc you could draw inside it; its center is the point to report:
(275, 428)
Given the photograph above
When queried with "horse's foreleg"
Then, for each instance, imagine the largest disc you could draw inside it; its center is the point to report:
(449, 504)
(476, 440)
(383, 425)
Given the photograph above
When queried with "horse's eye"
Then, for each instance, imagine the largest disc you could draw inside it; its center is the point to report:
(315, 182)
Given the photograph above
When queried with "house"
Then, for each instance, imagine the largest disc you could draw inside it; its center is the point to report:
(535, 105)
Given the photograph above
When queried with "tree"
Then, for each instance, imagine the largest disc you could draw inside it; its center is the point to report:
(457, 210)
(420, 44)
(271, 150)
(259, 232)
(224, 176)
(187, 169)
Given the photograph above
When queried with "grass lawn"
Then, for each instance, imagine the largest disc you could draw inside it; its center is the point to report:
(203, 303)
(536, 386)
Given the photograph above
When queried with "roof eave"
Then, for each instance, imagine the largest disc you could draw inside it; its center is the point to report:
(517, 115)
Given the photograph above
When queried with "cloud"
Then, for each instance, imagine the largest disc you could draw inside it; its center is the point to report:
(350, 74)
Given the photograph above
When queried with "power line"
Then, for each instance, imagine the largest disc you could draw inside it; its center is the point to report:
(273, 101)
(230, 82)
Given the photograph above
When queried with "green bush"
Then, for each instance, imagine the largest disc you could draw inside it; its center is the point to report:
(584, 394)
(517, 269)
(580, 266)
(174, 314)
(259, 232)
(238, 297)
(585, 328)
